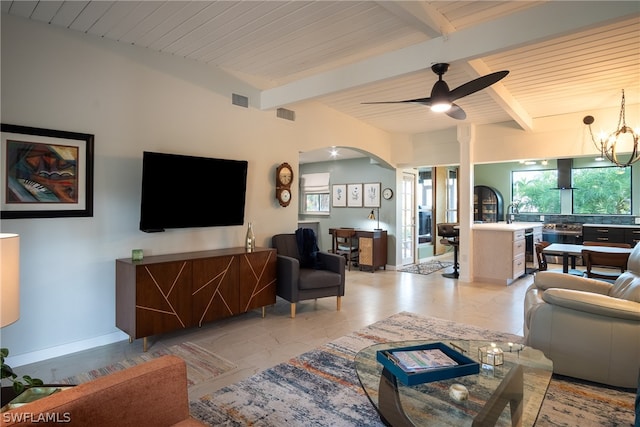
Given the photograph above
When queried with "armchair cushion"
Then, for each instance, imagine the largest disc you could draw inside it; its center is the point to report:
(589, 302)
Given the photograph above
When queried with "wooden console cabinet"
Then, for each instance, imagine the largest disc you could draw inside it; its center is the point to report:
(164, 293)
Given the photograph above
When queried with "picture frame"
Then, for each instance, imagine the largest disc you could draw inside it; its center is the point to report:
(45, 173)
(354, 195)
(339, 195)
(371, 194)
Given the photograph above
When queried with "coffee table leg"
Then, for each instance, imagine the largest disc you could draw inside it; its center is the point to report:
(390, 407)
(509, 392)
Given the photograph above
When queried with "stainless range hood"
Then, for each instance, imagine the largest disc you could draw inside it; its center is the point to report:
(564, 175)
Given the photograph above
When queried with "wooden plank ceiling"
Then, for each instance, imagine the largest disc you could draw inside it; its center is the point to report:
(563, 57)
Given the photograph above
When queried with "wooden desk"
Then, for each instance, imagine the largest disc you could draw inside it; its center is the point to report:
(573, 251)
(372, 247)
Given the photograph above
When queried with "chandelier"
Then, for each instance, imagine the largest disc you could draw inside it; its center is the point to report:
(608, 145)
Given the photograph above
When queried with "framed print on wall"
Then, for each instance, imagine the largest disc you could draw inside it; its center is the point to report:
(339, 195)
(371, 195)
(354, 195)
(45, 173)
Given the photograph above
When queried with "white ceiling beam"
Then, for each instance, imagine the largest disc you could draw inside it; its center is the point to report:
(501, 34)
(427, 19)
(421, 16)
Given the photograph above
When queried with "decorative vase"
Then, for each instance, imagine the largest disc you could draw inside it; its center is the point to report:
(250, 241)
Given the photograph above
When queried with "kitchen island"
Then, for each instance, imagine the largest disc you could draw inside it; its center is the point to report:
(499, 250)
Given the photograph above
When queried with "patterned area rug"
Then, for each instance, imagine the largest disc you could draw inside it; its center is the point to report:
(321, 388)
(202, 364)
(426, 267)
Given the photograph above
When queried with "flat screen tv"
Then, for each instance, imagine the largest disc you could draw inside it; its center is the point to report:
(185, 191)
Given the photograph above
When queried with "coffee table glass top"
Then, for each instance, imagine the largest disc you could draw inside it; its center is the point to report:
(431, 403)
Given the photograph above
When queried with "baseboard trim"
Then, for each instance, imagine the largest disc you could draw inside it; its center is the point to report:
(63, 350)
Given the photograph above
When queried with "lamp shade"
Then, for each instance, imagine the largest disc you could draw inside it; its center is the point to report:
(9, 278)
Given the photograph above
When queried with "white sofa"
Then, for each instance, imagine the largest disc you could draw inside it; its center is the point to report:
(589, 328)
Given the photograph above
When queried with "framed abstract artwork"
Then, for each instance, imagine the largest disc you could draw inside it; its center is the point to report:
(354, 195)
(371, 195)
(45, 173)
(339, 195)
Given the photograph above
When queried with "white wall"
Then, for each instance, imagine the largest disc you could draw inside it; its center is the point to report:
(134, 100)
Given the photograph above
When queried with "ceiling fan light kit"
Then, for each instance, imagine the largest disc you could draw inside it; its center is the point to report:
(608, 145)
(441, 99)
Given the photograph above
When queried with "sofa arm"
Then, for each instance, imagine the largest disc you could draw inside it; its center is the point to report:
(597, 304)
(550, 279)
(152, 393)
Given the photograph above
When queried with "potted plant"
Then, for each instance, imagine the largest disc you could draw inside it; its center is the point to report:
(7, 372)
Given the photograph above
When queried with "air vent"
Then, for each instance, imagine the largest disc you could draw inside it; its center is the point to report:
(283, 113)
(239, 100)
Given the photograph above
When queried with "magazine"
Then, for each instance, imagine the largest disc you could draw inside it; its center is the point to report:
(421, 360)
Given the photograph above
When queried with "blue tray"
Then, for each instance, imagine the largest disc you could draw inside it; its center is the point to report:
(466, 365)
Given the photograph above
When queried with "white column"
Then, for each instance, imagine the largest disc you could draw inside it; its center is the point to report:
(466, 134)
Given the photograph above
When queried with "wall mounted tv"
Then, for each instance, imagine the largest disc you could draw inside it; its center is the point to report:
(185, 191)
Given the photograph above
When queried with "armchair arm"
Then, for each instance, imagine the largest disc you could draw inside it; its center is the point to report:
(332, 262)
(288, 273)
(588, 302)
(549, 279)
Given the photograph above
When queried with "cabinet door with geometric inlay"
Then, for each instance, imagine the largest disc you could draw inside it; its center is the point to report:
(215, 293)
(163, 297)
(257, 279)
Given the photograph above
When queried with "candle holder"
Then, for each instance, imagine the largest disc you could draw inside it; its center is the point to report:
(491, 355)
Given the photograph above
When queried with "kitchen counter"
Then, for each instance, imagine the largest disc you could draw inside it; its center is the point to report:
(503, 226)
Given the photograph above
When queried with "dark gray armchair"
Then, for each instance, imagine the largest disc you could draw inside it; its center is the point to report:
(299, 284)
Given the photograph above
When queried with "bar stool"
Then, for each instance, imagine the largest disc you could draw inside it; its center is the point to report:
(450, 237)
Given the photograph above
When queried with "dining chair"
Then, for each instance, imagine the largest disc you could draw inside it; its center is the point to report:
(542, 260)
(604, 261)
(345, 243)
(609, 244)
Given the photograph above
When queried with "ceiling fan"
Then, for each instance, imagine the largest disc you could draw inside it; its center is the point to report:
(441, 99)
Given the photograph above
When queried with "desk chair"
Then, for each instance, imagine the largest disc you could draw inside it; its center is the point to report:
(345, 243)
(450, 237)
(542, 260)
(605, 260)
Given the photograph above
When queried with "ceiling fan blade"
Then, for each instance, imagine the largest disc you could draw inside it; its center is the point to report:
(422, 101)
(455, 112)
(476, 85)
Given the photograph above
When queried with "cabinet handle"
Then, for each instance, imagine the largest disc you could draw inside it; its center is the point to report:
(602, 230)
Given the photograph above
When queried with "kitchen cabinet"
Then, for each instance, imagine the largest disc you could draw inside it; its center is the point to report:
(499, 251)
(487, 204)
(611, 233)
(165, 293)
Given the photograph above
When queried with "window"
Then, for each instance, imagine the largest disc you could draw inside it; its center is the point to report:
(452, 196)
(316, 203)
(425, 205)
(315, 193)
(602, 191)
(532, 191)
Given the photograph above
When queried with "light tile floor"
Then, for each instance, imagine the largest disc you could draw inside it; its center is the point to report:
(255, 343)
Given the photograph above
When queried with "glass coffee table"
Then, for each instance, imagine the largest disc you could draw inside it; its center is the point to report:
(507, 395)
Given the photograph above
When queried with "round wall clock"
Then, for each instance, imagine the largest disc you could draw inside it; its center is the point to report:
(387, 193)
(284, 178)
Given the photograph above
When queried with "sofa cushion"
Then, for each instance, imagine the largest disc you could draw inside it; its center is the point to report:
(315, 279)
(627, 286)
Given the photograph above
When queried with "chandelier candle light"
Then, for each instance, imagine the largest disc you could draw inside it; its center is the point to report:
(608, 146)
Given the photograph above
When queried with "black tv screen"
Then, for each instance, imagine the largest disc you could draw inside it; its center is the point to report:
(185, 191)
